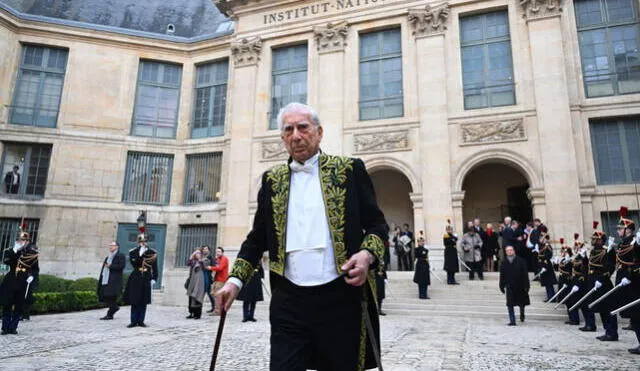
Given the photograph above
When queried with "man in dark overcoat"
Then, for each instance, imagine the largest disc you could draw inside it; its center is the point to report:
(110, 279)
(514, 282)
(318, 217)
(451, 264)
(19, 282)
(144, 275)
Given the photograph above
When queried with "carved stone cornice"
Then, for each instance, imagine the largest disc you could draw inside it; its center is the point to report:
(274, 151)
(381, 142)
(332, 37)
(429, 21)
(538, 9)
(492, 132)
(246, 52)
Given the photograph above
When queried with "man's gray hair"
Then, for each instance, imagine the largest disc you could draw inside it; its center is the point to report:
(297, 107)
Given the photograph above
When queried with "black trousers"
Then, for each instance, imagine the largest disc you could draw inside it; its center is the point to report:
(111, 304)
(11, 313)
(195, 308)
(475, 267)
(315, 327)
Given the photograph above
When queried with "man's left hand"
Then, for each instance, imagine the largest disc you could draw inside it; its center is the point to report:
(357, 268)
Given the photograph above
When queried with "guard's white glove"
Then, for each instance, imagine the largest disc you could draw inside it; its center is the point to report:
(575, 288)
(610, 242)
(17, 247)
(455, 235)
(529, 244)
(153, 282)
(597, 285)
(638, 236)
(583, 253)
(543, 270)
(29, 279)
(625, 281)
(386, 281)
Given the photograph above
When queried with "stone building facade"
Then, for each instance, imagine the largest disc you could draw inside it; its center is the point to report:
(458, 109)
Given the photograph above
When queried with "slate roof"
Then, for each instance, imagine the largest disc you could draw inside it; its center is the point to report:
(193, 20)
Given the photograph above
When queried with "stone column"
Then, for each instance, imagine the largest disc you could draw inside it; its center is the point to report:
(429, 26)
(330, 43)
(456, 204)
(557, 149)
(246, 55)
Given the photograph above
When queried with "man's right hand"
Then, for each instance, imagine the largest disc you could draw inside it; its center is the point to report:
(227, 294)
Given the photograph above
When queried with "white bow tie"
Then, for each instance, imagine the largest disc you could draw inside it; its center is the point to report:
(297, 167)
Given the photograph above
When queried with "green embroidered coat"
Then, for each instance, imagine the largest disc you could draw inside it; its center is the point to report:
(354, 218)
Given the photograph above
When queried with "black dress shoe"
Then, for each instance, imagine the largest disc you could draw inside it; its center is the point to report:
(606, 338)
(253, 320)
(141, 324)
(106, 318)
(189, 316)
(634, 350)
(4, 332)
(131, 325)
(13, 332)
(587, 329)
(211, 310)
(511, 324)
(244, 320)
(382, 313)
(572, 323)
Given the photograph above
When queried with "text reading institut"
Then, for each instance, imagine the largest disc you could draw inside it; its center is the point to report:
(458, 109)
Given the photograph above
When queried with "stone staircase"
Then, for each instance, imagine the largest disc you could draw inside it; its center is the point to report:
(476, 298)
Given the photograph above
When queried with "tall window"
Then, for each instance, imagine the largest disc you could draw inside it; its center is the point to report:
(616, 150)
(192, 237)
(381, 75)
(157, 95)
(487, 70)
(203, 178)
(609, 37)
(610, 221)
(9, 229)
(210, 99)
(37, 96)
(289, 80)
(25, 167)
(148, 178)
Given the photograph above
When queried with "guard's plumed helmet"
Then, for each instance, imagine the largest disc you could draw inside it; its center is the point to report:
(625, 222)
(597, 234)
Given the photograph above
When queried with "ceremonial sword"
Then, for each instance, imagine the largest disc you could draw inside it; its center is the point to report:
(625, 307)
(576, 305)
(216, 347)
(435, 275)
(564, 287)
(605, 295)
(565, 299)
(463, 264)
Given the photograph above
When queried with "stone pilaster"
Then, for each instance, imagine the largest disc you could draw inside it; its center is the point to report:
(246, 55)
(560, 168)
(331, 41)
(537, 9)
(429, 29)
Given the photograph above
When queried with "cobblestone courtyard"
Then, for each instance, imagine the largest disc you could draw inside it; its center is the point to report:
(79, 341)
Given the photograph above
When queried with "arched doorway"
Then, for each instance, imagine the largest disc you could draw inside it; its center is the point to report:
(493, 191)
(393, 191)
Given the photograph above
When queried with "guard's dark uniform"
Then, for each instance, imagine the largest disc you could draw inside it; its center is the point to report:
(138, 290)
(23, 264)
(422, 275)
(451, 264)
(601, 266)
(565, 272)
(548, 277)
(579, 272)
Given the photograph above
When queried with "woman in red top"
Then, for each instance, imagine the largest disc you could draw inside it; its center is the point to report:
(221, 269)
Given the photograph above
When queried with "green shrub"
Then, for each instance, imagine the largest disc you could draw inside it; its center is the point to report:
(59, 302)
(49, 283)
(84, 284)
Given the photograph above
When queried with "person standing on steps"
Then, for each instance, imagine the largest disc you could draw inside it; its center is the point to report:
(472, 249)
(514, 282)
(451, 264)
(251, 293)
(110, 280)
(422, 275)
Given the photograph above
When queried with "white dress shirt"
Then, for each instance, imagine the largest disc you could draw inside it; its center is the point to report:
(310, 258)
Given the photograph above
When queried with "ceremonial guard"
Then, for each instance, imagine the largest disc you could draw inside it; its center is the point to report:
(19, 282)
(565, 266)
(144, 275)
(545, 265)
(627, 290)
(422, 275)
(451, 265)
(579, 272)
(602, 263)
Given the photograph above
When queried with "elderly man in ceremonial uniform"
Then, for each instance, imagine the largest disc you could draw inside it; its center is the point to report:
(318, 218)
(145, 273)
(22, 260)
